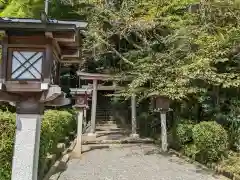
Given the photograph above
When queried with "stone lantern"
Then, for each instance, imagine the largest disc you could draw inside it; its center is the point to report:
(161, 104)
(32, 51)
(81, 97)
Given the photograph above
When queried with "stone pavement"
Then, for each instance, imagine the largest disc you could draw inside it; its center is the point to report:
(128, 161)
(133, 162)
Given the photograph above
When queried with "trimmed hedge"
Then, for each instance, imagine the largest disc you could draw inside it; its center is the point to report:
(55, 126)
(211, 140)
(7, 129)
(205, 142)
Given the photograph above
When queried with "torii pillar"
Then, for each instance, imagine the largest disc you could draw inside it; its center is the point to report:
(134, 117)
(94, 109)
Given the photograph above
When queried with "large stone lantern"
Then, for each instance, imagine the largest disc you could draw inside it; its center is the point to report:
(32, 51)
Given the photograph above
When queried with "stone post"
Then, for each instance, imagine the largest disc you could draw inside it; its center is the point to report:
(134, 117)
(94, 108)
(85, 117)
(27, 140)
(164, 131)
(78, 148)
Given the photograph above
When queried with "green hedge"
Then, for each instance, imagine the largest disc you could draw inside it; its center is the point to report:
(211, 140)
(7, 129)
(55, 126)
(205, 142)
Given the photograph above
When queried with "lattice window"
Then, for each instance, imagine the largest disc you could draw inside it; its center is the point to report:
(26, 65)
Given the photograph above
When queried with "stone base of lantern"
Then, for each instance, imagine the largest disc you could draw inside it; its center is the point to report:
(27, 140)
(92, 134)
(134, 135)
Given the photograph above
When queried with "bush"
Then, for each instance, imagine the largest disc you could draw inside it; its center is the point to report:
(211, 141)
(184, 132)
(55, 126)
(7, 129)
(191, 150)
(180, 134)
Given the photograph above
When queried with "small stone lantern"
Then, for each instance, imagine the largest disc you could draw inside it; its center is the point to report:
(81, 104)
(81, 97)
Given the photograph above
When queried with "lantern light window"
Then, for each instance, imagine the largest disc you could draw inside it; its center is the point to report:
(26, 65)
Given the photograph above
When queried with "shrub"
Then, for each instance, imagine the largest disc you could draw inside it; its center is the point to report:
(184, 132)
(55, 126)
(211, 141)
(180, 134)
(7, 129)
(191, 150)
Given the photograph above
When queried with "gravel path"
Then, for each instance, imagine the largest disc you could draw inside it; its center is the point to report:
(132, 162)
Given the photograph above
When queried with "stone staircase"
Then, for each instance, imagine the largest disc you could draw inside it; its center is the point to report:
(103, 114)
(109, 133)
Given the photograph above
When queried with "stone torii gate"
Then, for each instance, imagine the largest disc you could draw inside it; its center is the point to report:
(95, 87)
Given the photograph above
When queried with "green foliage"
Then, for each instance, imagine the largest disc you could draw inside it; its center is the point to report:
(191, 150)
(7, 129)
(184, 132)
(234, 136)
(183, 49)
(32, 8)
(211, 140)
(55, 126)
(232, 164)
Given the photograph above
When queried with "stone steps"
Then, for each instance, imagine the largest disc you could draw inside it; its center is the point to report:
(120, 141)
(106, 122)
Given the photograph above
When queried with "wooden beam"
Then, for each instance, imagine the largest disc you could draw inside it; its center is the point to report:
(68, 44)
(72, 61)
(103, 88)
(2, 35)
(54, 42)
(8, 97)
(71, 52)
(67, 56)
(33, 40)
(26, 46)
(17, 87)
(54, 27)
(65, 36)
(3, 64)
